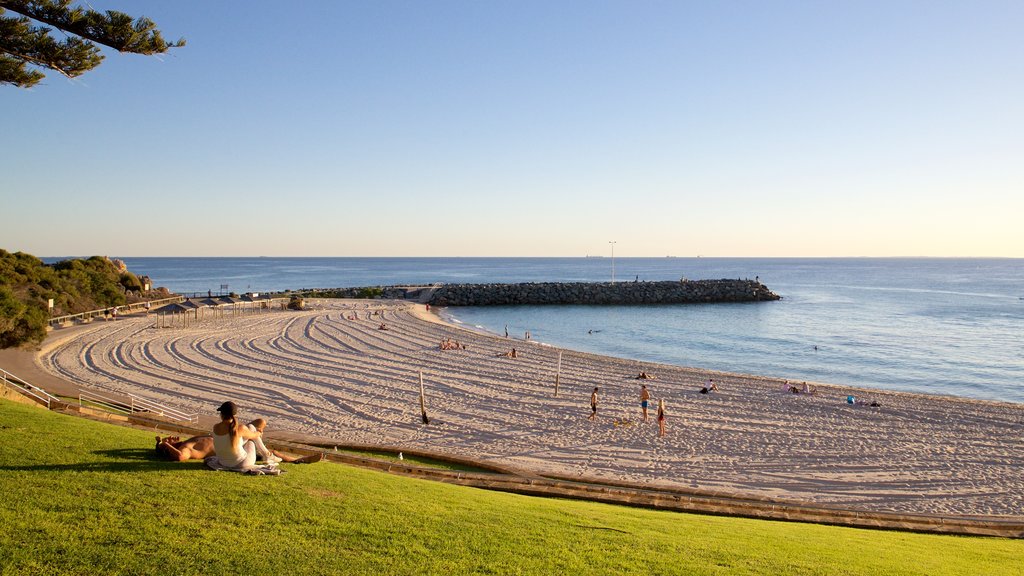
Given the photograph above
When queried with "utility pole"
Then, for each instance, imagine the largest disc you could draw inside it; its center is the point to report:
(612, 242)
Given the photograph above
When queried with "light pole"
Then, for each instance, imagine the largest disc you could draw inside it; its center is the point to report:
(612, 242)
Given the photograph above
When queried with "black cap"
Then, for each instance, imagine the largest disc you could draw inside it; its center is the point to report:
(228, 409)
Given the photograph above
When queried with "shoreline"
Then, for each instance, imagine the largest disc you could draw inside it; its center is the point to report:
(333, 377)
(440, 316)
(910, 324)
(796, 364)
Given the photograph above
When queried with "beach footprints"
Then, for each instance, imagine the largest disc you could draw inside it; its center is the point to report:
(316, 373)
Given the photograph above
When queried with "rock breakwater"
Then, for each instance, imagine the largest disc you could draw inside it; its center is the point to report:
(593, 293)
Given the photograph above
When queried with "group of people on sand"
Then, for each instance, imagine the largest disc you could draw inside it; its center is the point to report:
(354, 316)
(806, 389)
(450, 344)
(710, 387)
(645, 399)
(236, 446)
(510, 354)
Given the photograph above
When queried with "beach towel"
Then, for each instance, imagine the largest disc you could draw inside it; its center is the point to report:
(213, 463)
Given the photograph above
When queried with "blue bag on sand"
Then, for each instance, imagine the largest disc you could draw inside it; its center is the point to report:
(850, 399)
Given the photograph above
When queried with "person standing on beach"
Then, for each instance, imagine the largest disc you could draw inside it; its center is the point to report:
(506, 330)
(645, 396)
(593, 405)
(661, 417)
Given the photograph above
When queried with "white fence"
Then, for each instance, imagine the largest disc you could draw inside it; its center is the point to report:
(125, 309)
(135, 405)
(27, 389)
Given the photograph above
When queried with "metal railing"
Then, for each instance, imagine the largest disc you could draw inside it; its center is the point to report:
(28, 389)
(135, 405)
(123, 309)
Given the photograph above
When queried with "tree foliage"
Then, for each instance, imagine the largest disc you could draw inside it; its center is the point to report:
(26, 285)
(27, 42)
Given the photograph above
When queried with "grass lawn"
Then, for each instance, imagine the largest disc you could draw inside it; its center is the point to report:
(81, 497)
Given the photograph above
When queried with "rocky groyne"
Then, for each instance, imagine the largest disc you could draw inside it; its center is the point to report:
(551, 293)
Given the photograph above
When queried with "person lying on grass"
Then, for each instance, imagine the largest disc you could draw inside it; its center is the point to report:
(175, 449)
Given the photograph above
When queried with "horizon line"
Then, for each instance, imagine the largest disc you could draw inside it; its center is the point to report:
(589, 256)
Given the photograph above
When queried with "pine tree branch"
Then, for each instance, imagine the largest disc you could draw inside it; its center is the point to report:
(33, 45)
(14, 72)
(32, 60)
(22, 43)
(114, 29)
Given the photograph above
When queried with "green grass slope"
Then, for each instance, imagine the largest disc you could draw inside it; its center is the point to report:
(82, 497)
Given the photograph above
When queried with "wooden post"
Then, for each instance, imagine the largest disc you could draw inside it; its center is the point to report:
(423, 402)
(558, 372)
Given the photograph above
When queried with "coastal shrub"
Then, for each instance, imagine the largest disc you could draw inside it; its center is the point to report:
(76, 285)
(11, 311)
(369, 293)
(19, 322)
(130, 281)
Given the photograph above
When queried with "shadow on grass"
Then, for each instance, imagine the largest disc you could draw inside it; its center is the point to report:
(122, 460)
(130, 454)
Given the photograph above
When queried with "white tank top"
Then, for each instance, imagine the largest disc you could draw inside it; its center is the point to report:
(229, 453)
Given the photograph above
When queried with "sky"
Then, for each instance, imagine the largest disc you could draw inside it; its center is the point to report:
(533, 128)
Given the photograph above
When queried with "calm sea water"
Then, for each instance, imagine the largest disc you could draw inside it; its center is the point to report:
(943, 326)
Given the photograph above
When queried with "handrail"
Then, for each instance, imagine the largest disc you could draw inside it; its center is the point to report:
(135, 404)
(162, 410)
(28, 389)
(124, 307)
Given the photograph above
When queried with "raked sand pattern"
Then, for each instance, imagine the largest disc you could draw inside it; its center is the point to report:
(321, 374)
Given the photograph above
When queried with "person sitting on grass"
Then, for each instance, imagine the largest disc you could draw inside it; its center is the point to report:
(232, 440)
(259, 425)
(175, 449)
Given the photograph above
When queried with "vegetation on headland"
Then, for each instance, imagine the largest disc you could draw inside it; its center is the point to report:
(365, 292)
(77, 285)
(83, 497)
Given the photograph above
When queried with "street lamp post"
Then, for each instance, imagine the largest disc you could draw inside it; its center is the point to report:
(612, 242)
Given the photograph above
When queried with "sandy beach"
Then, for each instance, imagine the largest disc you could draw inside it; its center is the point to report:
(319, 373)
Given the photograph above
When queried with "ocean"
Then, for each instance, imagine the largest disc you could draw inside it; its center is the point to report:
(938, 326)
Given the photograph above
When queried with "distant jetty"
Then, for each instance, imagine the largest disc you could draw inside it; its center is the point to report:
(567, 293)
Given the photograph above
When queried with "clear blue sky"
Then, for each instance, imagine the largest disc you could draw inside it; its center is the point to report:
(542, 128)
